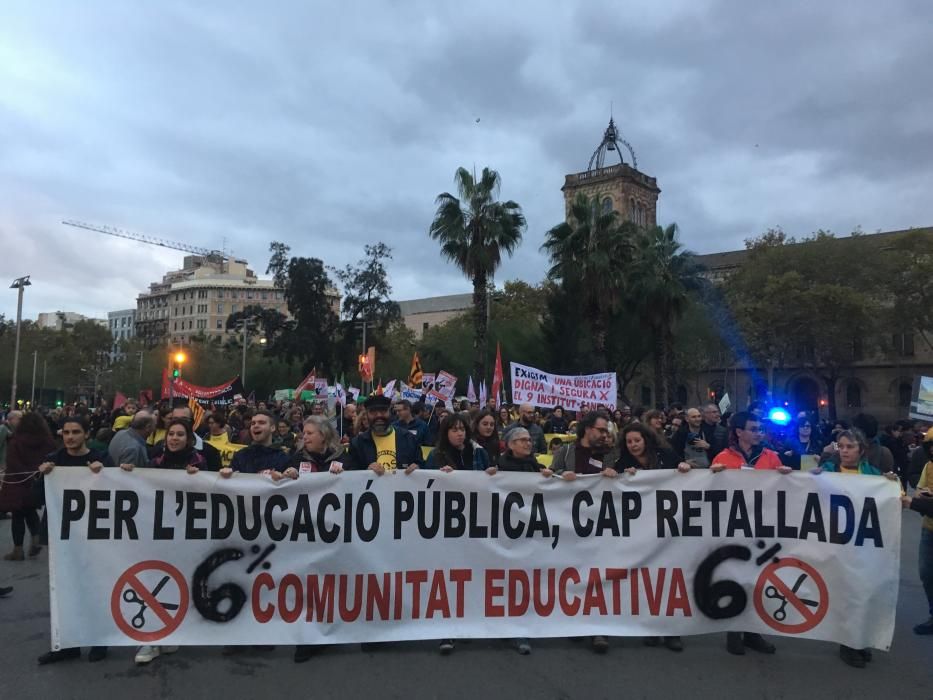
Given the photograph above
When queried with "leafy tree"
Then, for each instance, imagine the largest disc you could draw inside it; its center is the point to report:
(813, 303)
(908, 271)
(589, 253)
(306, 286)
(659, 285)
(515, 323)
(366, 297)
(474, 231)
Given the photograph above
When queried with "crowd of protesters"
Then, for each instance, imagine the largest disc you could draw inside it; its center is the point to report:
(284, 440)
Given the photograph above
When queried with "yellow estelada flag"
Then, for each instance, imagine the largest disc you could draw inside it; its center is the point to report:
(197, 413)
(416, 376)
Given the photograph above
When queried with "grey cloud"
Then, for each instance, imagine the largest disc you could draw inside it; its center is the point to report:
(329, 127)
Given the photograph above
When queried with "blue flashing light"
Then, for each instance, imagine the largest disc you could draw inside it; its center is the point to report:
(779, 416)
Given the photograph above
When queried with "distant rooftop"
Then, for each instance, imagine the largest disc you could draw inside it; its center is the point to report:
(450, 302)
(733, 259)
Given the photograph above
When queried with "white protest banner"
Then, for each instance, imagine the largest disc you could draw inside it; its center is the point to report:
(160, 556)
(540, 388)
(411, 394)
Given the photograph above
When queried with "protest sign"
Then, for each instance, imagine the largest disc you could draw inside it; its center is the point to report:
(540, 388)
(446, 384)
(160, 556)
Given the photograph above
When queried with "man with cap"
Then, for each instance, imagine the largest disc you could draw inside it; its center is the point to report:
(382, 448)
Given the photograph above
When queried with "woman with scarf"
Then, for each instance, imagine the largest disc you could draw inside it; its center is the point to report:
(179, 452)
(320, 451)
(852, 446)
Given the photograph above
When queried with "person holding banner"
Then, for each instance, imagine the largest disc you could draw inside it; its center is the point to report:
(922, 502)
(382, 448)
(179, 452)
(640, 448)
(518, 455)
(745, 452)
(320, 451)
(591, 453)
(261, 456)
(851, 449)
(455, 449)
(75, 453)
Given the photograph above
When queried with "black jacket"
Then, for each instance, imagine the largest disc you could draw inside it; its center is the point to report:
(510, 463)
(362, 451)
(256, 459)
(667, 459)
(717, 436)
(304, 462)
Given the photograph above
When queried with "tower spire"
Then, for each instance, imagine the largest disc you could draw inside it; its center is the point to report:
(612, 139)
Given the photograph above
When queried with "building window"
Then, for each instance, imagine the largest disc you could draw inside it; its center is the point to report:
(220, 324)
(265, 295)
(176, 326)
(220, 308)
(904, 394)
(645, 395)
(233, 308)
(607, 205)
(249, 294)
(903, 344)
(853, 395)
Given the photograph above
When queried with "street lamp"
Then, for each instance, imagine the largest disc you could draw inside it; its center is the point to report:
(244, 325)
(19, 284)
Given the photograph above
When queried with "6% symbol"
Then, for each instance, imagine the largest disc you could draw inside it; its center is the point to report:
(720, 600)
(223, 603)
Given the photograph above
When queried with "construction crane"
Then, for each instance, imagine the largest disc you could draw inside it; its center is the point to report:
(143, 238)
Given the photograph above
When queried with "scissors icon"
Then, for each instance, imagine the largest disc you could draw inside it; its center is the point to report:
(131, 596)
(781, 613)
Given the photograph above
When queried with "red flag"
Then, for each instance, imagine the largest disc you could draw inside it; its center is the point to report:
(145, 397)
(119, 400)
(497, 377)
(307, 383)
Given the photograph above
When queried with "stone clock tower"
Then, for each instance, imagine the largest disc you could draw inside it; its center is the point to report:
(619, 186)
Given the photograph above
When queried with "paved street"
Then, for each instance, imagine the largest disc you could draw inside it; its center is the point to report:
(483, 669)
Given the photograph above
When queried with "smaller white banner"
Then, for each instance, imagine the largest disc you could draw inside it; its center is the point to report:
(540, 388)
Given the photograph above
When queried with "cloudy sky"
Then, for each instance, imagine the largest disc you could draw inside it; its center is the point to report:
(331, 125)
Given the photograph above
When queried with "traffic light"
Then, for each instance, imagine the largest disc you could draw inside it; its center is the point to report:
(178, 359)
(59, 403)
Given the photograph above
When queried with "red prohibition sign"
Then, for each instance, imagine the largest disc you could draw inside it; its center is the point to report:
(129, 588)
(770, 579)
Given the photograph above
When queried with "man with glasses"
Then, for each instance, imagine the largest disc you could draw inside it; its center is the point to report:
(592, 453)
(745, 452)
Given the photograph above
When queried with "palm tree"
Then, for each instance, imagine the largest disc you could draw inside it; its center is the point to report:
(661, 281)
(590, 251)
(474, 230)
